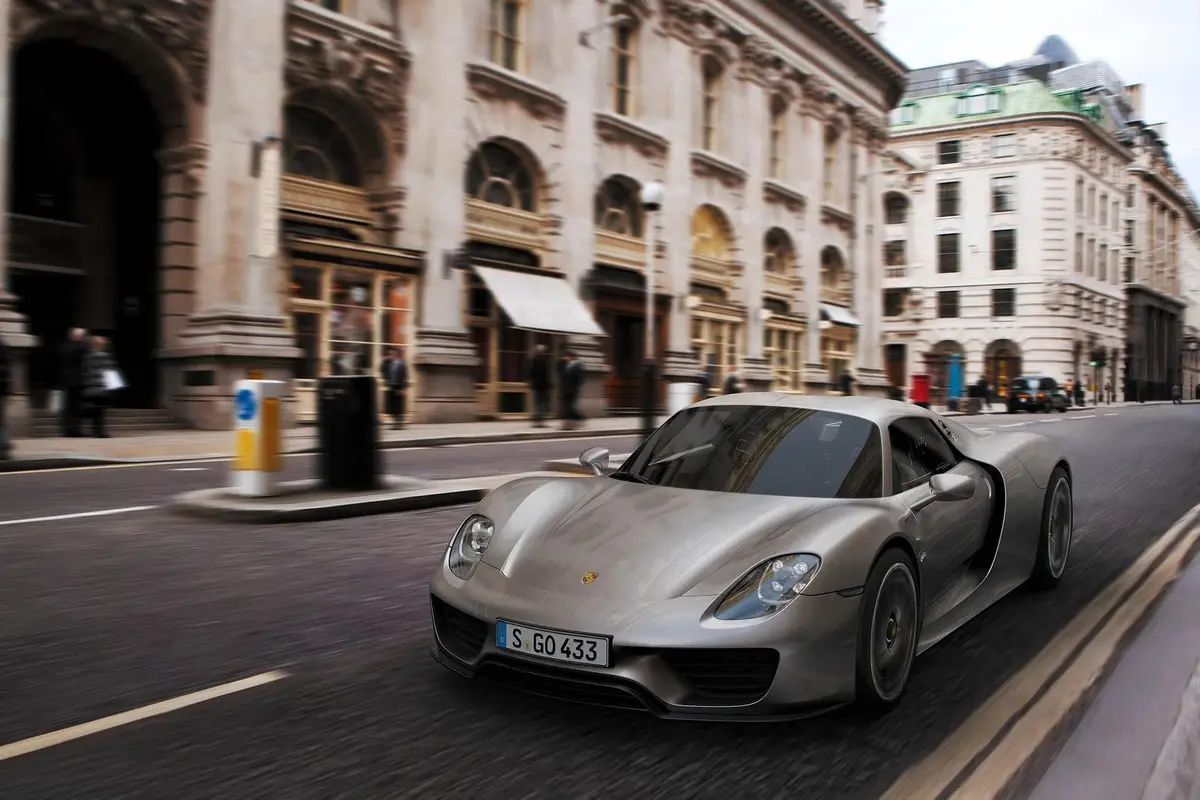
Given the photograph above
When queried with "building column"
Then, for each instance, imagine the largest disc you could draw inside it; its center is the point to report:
(577, 238)
(816, 376)
(753, 126)
(439, 146)
(237, 327)
(866, 258)
(683, 78)
(13, 328)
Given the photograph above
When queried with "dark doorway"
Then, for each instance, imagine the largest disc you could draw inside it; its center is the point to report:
(47, 300)
(85, 143)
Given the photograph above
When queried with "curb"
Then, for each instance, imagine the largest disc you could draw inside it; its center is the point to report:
(218, 505)
(56, 462)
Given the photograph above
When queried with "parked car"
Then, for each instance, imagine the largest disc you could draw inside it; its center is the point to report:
(1037, 393)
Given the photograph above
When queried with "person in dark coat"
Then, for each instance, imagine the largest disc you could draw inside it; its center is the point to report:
(846, 383)
(540, 384)
(734, 383)
(570, 383)
(72, 381)
(97, 393)
(394, 374)
(6, 381)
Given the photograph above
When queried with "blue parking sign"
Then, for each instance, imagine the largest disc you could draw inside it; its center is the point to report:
(246, 404)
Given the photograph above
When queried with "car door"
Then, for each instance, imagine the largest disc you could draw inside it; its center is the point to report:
(949, 532)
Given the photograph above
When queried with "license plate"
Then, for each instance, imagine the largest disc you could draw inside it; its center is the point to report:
(574, 648)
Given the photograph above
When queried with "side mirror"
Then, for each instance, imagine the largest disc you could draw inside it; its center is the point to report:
(595, 459)
(947, 488)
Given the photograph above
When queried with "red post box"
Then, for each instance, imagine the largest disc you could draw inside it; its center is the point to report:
(920, 390)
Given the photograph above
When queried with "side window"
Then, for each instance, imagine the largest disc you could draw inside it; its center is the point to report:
(918, 452)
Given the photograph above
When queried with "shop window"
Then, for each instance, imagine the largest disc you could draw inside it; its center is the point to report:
(498, 175)
(315, 146)
(305, 283)
(306, 328)
(352, 324)
(783, 350)
(397, 304)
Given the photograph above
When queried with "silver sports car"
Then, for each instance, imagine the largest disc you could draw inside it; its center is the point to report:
(760, 555)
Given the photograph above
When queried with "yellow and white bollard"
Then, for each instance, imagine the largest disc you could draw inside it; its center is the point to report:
(258, 432)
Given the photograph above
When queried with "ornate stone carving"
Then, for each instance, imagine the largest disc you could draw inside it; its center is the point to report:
(373, 69)
(617, 130)
(759, 61)
(679, 18)
(782, 194)
(189, 161)
(492, 82)
(708, 165)
(818, 98)
(388, 206)
(178, 28)
(1054, 294)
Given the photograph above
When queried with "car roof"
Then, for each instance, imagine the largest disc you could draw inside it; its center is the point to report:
(876, 409)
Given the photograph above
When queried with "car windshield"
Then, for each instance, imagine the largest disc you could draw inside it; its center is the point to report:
(764, 450)
(1026, 384)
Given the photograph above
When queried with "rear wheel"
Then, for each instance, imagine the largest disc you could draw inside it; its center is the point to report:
(1058, 526)
(888, 630)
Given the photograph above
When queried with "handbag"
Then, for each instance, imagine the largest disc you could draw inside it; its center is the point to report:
(113, 381)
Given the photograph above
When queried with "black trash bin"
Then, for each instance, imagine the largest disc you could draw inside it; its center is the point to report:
(348, 433)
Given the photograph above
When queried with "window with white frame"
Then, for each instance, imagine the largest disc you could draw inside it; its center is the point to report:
(1004, 146)
(1102, 263)
(947, 78)
(1004, 194)
(904, 115)
(1103, 209)
(979, 100)
(1079, 252)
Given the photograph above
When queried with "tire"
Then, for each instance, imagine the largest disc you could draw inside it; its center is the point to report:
(890, 619)
(1058, 528)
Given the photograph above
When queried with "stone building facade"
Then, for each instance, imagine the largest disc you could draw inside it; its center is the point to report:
(303, 186)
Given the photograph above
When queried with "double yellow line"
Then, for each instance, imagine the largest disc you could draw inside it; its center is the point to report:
(991, 749)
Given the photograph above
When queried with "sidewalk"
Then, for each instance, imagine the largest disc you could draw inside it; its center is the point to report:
(189, 444)
(1140, 739)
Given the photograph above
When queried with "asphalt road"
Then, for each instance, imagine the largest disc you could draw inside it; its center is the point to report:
(75, 490)
(104, 614)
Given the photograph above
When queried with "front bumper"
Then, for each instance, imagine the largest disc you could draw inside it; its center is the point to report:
(667, 657)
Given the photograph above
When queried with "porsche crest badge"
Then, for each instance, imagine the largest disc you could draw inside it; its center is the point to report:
(590, 577)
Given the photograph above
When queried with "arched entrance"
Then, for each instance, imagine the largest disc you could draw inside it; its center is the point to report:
(85, 202)
(1001, 363)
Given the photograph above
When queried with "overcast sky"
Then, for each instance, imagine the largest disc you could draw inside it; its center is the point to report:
(1152, 42)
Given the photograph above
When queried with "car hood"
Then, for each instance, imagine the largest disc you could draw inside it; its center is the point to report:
(643, 542)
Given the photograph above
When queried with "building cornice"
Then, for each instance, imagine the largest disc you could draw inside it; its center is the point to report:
(1165, 186)
(939, 131)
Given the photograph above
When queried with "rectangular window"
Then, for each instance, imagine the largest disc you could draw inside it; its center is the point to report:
(1130, 269)
(1004, 302)
(1103, 210)
(1112, 264)
(947, 78)
(1091, 257)
(895, 253)
(1116, 215)
(306, 331)
(1004, 249)
(778, 142)
(506, 33)
(622, 70)
(904, 115)
(1079, 197)
(1130, 196)
(352, 323)
(948, 252)
(1079, 253)
(1004, 194)
(1004, 146)
(1102, 263)
(948, 199)
(947, 304)
(893, 302)
(949, 152)
(1091, 203)
(1130, 231)
(332, 5)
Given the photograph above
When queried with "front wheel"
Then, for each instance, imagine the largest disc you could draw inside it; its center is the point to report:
(889, 628)
(1058, 526)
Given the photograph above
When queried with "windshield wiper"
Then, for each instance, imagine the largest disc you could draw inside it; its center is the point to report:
(632, 477)
(691, 451)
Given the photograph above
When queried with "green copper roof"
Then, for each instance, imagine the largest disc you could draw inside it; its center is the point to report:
(983, 103)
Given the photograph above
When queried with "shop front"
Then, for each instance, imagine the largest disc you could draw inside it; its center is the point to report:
(348, 304)
(839, 337)
(718, 333)
(511, 306)
(619, 301)
(783, 345)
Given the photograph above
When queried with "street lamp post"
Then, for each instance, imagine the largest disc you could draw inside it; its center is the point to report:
(651, 197)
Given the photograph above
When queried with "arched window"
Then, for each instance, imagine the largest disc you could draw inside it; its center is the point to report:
(624, 59)
(778, 254)
(619, 207)
(315, 146)
(832, 268)
(498, 175)
(711, 234)
(710, 108)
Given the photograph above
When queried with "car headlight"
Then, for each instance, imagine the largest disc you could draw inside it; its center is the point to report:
(468, 545)
(769, 587)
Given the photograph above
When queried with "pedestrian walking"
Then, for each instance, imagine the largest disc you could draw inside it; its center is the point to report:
(541, 383)
(846, 383)
(734, 383)
(101, 380)
(72, 380)
(1177, 395)
(394, 373)
(6, 371)
(570, 383)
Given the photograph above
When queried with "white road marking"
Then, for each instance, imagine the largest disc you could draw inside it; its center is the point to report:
(990, 722)
(1112, 414)
(1014, 424)
(1083, 416)
(78, 515)
(1048, 421)
(190, 469)
(26, 746)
